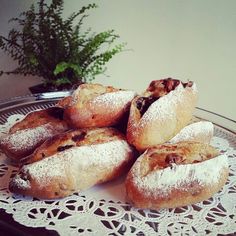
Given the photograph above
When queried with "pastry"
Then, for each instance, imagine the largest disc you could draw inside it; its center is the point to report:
(64, 102)
(175, 175)
(73, 138)
(201, 131)
(72, 168)
(95, 105)
(160, 112)
(32, 131)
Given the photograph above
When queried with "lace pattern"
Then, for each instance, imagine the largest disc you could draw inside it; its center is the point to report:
(103, 210)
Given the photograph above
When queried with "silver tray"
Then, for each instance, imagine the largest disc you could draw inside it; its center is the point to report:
(103, 210)
(25, 104)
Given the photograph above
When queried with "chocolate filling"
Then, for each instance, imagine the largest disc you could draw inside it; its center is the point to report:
(143, 103)
(162, 87)
(188, 84)
(79, 137)
(63, 148)
(170, 84)
(173, 158)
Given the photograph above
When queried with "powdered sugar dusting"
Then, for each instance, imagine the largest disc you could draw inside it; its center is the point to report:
(78, 158)
(23, 139)
(75, 95)
(163, 181)
(199, 131)
(163, 107)
(194, 88)
(117, 99)
(21, 183)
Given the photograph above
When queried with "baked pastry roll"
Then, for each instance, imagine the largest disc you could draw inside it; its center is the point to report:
(174, 175)
(201, 131)
(73, 138)
(160, 112)
(95, 105)
(32, 131)
(64, 102)
(65, 168)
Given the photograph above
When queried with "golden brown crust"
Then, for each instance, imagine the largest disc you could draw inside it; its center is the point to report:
(40, 117)
(32, 131)
(73, 138)
(174, 175)
(64, 102)
(160, 113)
(95, 105)
(100, 158)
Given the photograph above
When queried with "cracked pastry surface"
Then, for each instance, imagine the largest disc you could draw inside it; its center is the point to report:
(32, 131)
(74, 162)
(160, 112)
(95, 105)
(174, 175)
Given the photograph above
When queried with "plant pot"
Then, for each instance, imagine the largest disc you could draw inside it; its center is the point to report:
(41, 88)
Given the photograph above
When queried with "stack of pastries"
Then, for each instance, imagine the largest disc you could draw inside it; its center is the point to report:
(100, 133)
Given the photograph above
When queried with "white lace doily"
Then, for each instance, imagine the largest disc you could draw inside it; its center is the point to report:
(102, 210)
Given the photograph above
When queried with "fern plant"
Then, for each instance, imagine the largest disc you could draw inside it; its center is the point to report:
(57, 49)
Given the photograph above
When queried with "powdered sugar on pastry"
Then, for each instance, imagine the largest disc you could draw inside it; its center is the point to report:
(76, 159)
(194, 88)
(85, 92)
(117, 98)
(163, 107)
(22, 183)
(28, 137)
(162, 182)
(201, 131)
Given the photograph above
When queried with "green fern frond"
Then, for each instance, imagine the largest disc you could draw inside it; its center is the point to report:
(57, 49)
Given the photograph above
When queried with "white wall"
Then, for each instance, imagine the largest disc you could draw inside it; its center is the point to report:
(184, 39)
